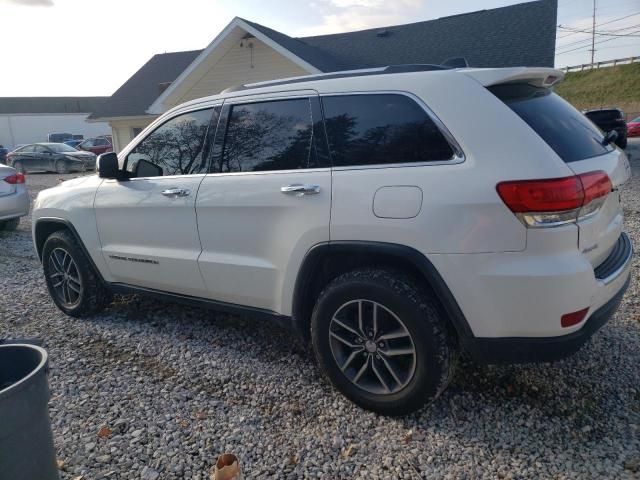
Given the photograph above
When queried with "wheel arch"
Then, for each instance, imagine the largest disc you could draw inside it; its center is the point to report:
(46, 226)
(326, 261)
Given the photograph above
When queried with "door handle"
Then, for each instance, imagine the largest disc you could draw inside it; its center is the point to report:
(176, 192)
(299, 190)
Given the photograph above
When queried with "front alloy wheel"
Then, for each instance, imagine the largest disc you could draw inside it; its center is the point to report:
(65, 278)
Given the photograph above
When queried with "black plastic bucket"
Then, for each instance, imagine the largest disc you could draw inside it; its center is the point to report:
(26, 440)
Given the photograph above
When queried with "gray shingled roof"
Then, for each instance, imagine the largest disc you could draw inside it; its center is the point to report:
(518, 35)
(12, 105)
(138, 93)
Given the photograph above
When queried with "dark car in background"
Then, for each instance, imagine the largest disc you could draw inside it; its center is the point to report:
(50, 157)
(97, 145)
(608, 119)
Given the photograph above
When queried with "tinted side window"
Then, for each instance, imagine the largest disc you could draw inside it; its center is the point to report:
(178, 146)
(275, 135)
(381, 129)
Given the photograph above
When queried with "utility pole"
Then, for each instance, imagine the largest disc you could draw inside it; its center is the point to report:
(593, 34)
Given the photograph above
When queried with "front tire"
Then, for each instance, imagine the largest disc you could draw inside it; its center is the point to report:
(61, 167)
(71, 280)
(381, 340)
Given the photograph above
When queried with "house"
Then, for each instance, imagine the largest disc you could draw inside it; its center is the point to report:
(246, 52)
(32, 119)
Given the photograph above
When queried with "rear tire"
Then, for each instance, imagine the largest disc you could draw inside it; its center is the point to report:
(71, 279)
(394, 364)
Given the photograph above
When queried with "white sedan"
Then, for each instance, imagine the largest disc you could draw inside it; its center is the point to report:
(14, 198)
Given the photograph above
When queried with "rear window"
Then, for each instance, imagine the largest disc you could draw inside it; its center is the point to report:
(604, 115)
(567, 131)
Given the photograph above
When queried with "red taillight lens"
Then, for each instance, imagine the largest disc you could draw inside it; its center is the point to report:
(555, 201)
(570, 319)
(553, 195)
(15, 178)
(595, 185)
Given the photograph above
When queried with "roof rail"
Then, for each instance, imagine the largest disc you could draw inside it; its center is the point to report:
(407, 68)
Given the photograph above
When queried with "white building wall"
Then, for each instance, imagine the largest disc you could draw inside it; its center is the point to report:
(17, 129)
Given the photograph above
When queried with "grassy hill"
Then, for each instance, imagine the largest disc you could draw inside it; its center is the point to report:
(605, 87)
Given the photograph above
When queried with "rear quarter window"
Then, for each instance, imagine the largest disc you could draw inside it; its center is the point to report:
(567, 131)
(378, 129)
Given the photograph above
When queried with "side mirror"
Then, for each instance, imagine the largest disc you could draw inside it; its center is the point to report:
(107, 165)
(144, 168)
(610, 137)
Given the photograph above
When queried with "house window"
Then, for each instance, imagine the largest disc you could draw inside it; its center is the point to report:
(135, 131)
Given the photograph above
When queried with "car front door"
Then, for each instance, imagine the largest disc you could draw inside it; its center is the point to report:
(266, 201)
(147, 224)
(43, 159)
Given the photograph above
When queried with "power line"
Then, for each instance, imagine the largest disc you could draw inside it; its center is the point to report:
(596, 43)
(588, 39)
(601, 33)
(601, 24)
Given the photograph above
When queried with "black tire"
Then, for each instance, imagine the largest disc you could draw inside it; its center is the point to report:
(434, 345)
(10, 225)
(61, 167)
(18, 166)
(92, 296)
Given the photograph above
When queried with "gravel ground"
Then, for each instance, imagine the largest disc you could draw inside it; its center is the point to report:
(155, 390)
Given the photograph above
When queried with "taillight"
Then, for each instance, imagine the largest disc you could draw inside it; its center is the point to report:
(555, 201)
(15, 178)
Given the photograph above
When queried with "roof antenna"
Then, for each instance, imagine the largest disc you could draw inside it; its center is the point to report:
(455, 62)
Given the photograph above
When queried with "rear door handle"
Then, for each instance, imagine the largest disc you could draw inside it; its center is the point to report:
(299, 189)
(176, 192)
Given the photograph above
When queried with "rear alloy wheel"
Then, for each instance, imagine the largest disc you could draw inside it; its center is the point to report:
(382, 340)
(71, 279)
(61, 167)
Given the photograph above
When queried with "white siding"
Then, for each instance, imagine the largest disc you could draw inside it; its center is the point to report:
(122, 131)
(17, 129)
(238, 66)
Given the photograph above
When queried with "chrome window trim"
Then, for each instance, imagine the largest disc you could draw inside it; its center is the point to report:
(458, 153)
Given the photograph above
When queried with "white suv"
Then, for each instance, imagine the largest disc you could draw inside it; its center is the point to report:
(393, 217)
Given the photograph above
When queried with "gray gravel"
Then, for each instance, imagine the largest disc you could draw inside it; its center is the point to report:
(151, 390)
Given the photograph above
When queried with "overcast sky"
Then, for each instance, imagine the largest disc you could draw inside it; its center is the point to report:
(90, 47)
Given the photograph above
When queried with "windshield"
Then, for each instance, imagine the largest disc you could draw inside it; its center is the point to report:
(635, 120)
(571, 135)
(61, 147)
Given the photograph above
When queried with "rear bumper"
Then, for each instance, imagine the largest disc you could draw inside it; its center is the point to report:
(15, 205)
(542, 349)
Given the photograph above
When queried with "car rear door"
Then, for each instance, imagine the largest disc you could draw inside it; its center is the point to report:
(266, 201)
(147, 225)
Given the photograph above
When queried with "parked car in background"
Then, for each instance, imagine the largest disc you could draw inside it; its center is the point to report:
(50, 157)
(14, 198)
(3, 154)
(97, 145)
(73, 143)
(633, 128)
(608, 119)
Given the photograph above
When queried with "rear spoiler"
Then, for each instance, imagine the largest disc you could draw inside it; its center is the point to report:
(536, 76)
